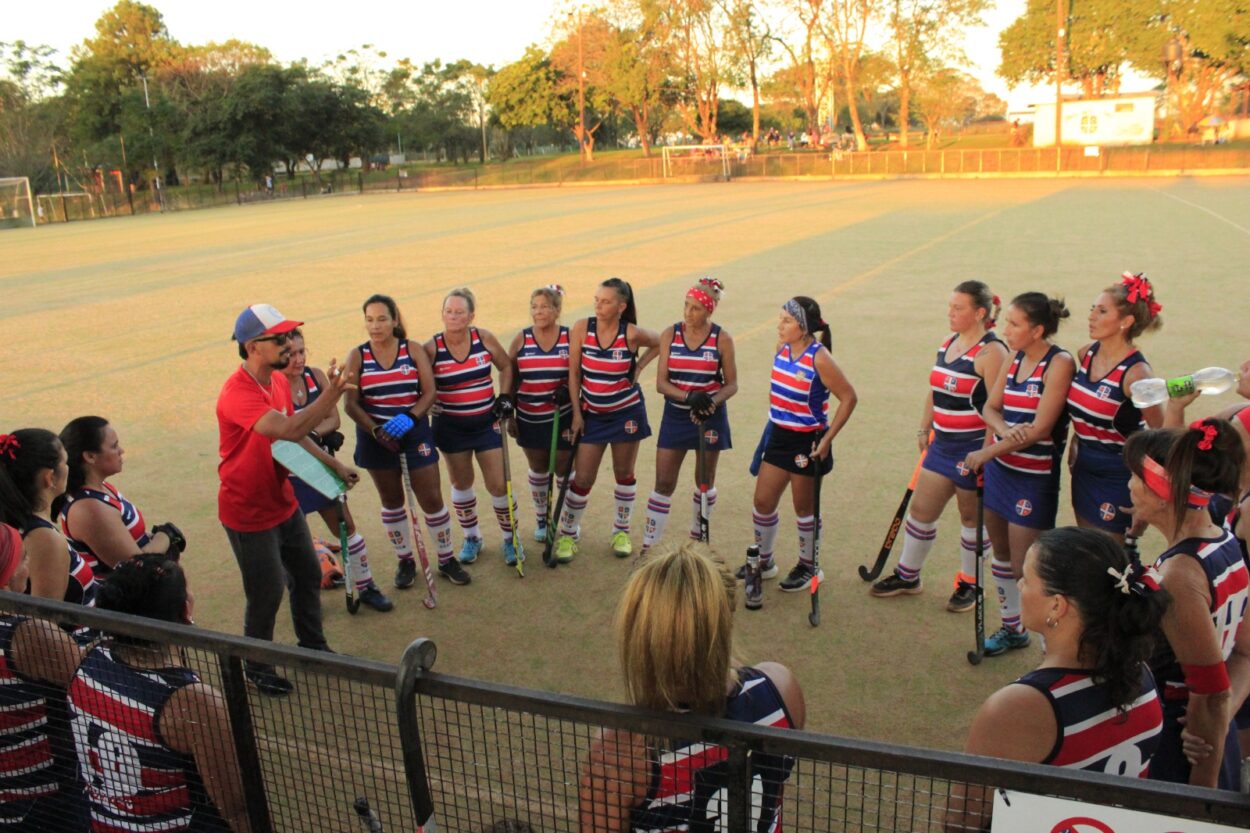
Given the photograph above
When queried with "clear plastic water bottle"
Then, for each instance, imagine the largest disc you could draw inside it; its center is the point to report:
(1147, 393)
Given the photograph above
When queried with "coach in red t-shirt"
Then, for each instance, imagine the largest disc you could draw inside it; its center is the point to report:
(256, 504)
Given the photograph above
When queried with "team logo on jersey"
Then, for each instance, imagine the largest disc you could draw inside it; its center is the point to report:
(801, 375)
(631, 426)
(480, 360)
(800, 460)
(1033, 390)
(562, 353)
(1104, 391)
(950, 384)
(963, 469)
(617, 355)
(708, 356)
(1024, 508)
(711, 437)
(1107, 511)
(424, 450)
(407, 369)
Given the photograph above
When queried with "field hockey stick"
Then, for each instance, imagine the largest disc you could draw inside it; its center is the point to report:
(418, 538)
(818, 475)
(561, 398)
(974, 657)
(549, 544)
(888, 544)
(701, 475)
(353, 592)
(507, 485)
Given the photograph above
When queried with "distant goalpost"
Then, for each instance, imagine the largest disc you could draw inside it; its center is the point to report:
(696, 160)
(17, 206)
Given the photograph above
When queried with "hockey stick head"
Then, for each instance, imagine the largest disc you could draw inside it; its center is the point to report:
(429, 602)
(561, 396)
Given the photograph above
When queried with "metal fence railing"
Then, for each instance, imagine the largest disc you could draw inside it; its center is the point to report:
(426, 750)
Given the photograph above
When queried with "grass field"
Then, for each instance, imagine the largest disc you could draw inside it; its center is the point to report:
(131, 319)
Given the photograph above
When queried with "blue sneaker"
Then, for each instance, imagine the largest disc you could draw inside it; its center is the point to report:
(1002, 640)
(540, 534)
(510, 553)
(470, 550)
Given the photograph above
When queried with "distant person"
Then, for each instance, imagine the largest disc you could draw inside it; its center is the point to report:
(674, 628)
(255, 503)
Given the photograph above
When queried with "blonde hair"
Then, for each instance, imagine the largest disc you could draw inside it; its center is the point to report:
(465, 293)
(674, 629)
(554, 295)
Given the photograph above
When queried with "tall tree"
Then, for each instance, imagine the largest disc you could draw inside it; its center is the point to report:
(751, 40)
(696, 34)
(31, 112)
(1099, 34)
(807, 47)
(847, 27)
(945, 98)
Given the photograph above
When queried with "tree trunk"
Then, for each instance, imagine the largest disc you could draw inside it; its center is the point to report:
(861, 142)
(640, 124)
(904, 108)
(755, 110)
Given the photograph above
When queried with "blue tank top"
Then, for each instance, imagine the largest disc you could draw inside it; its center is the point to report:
(81, 587)
(131, 517)
(539, 374)
(797, 398)
(27, 770)
(695, 368)
(465, 387)
(959, 394)
(1102, 415)
(1021, 399)
(608, 371)
(388, 391)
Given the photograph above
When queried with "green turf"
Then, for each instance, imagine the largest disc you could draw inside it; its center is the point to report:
(131, 318)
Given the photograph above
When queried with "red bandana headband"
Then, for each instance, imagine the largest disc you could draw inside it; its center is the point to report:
(705, 298)
(1156, 479)
(1138, 288)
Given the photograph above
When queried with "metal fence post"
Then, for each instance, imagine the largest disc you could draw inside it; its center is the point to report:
(738, 782)
(418, 657)
(245, 743)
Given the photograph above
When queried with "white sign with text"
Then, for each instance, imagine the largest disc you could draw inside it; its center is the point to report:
(1016, 812)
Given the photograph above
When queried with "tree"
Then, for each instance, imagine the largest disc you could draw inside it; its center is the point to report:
(31, 112)
(696, 33)
(525, 94)
(847, 24)
(945, 98)
(638, 69)
(811, 70)
(751, 41)
(1096, 46)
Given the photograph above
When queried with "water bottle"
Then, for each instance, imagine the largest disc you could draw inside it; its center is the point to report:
(1147, 393)
(754, 583)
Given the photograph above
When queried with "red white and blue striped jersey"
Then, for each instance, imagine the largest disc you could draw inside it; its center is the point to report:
(608, 372)
(1101, 413)
(688, 789)
(465, 388)
(26, 759)
(82, 586)
(797, 398)
(1092, 733)
(134, 781)
(131, 517)
(695, 368)
(1021, 399)
(539, 373)
(312, 389)
(386, 392)
(959, 393)
(1228, 582)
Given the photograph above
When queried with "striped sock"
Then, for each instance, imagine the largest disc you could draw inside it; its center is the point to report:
(658, 506)
(398, 530)
(538, 492)
(439, 525)
(500, 505)
(918, 539)
(695, 529)
(359, 556)
(574, 505)
(968, 556)
(807, 539)
(1008, 595)
(464, 501)
(625, 494)
(765, 527)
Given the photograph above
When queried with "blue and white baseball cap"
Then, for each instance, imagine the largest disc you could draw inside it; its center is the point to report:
(261, 320)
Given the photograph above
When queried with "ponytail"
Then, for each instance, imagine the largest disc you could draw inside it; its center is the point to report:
(817, 326)
(1205, 458)
(982, 298)
(23, 454)
(626, 293)
(1042, 311)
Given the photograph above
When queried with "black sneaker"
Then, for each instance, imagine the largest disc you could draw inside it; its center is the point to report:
(963, 599)
(406, 574)
(768, 569)
(895, 585)
(800, 578)
(267, 681)
(373, 597)
(454, 572)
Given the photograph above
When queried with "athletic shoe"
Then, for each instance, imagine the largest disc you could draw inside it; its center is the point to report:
(372, 596)
(566, 548)
(768, 570)
(963, 599)
(621, 545)
(800, 578)
(453, 572)
(470, 550)
(895, 585)
(267, 681)
(510, 554)
(406, 574)
(1003, 640)
(540, 534)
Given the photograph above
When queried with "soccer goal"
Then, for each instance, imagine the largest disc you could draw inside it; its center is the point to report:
(17, 207)
(696, 161)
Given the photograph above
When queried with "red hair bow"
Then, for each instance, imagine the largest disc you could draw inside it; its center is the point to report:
(9, 445)
(1209, 433)
(1139, 288)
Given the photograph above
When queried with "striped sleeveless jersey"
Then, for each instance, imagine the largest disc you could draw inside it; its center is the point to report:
(1101, 413)
(959, 393)
(464, 386)
(1094, 735)
(696, 368)
(26, 770)
(1020, 402)
(387, 391)
(797, 398)
(607, 372)
(131, 517)
(540, 372)
(82, 585)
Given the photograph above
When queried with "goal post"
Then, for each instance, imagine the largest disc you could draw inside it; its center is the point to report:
(696, 161)
(17, 205)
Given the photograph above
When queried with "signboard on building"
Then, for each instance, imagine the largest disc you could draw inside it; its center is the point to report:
(1113, 120)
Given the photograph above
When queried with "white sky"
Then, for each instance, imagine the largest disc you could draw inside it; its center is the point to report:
(487, 31)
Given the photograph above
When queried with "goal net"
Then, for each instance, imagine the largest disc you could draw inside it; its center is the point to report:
(698, 161)
(17, 208)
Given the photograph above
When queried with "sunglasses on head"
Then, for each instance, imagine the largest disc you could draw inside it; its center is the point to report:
(278, 338)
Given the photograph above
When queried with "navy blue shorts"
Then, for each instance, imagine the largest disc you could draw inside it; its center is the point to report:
(310, 500)
(456, 434)
(677, 431)
(418, 445)
(947, 459)
(1100, 488)
(625, 426)
(791, 450)
(538, 434)
(1027, 500)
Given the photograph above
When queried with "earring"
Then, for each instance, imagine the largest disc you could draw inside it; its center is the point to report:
(1052, 623)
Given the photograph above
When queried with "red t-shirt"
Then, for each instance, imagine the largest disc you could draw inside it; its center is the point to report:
(255, 494)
